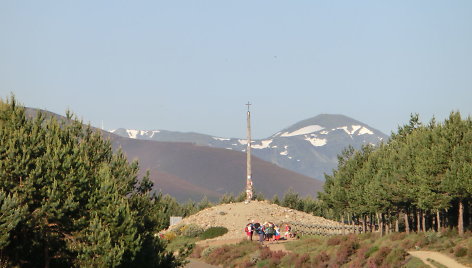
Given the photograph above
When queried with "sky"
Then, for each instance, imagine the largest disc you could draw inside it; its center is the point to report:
(191, 66)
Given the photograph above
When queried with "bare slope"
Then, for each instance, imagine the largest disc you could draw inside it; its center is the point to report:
(217, 170)
(188, 171)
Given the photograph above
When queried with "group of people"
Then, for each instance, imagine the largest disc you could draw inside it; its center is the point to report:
(266, 231)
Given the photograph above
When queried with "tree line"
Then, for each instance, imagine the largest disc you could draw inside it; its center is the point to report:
(420, 179)
(68, 200)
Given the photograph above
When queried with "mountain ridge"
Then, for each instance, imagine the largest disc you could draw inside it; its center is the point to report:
(188, 171)
(309, 147)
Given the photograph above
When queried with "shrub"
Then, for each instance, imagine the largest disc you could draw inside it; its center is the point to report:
(396, 257)
(321, 258)
(178, 229)
(334, 241)
(470, 250)
(346, 249)
(170, 235)
(408, 244)
(371, 251)
(379, 257)
(254, 257)
(192, 230)
(265, 253)
(207, 251)
(450, 233)
(397, 236)
(275, 258)
(213, 232)
(197, 252)
(460, 251)
(289, 260)
(360, 257)
(302, 260)
(432, 237)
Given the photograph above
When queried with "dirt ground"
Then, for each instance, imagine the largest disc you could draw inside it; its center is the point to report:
(235, 216)
(438, 257)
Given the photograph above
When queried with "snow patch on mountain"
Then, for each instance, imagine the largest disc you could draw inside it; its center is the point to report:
(316, 142)
(284, 152)
(365, 131)
(242, 142)
(354, 128)
(221, 139)
(303, 131)
(132, 133)
(265, 144)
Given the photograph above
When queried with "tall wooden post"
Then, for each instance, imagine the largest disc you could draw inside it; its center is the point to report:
(249, 188)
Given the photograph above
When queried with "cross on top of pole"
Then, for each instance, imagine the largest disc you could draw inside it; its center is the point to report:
(248, 104)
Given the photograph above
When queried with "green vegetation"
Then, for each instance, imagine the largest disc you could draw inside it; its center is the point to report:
(67, 200)
(181, 236)
(421, 179)
(213, 232)
(362, 250)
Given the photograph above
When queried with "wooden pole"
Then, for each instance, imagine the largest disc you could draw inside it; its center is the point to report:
(249, 188)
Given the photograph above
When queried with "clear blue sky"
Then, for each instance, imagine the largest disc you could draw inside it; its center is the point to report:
(192, 65)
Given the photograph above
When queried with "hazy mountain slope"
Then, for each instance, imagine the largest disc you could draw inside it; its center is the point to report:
(187, 171)
(218, 170)
(309, 147)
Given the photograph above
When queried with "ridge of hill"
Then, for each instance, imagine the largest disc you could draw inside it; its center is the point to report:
(188, 171)
(309, 147)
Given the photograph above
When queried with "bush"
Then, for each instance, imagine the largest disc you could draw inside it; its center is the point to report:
(170, 235)
(397, 236)
(371, 251)
(197, 252)
(177, 230)
(470, 250)
(460, 251)
(302, 260)
(321, 258)
(379, 257)
(192, 230)
(432, 237)
(213, 232)
(207, 251)
(346, 249)
(334, 241)
(396, 257)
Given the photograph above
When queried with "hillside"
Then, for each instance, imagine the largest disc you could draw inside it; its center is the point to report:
(309, 147)
(187, 171)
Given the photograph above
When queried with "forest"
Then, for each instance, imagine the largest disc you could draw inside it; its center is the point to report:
(68, 200)
(418, 180)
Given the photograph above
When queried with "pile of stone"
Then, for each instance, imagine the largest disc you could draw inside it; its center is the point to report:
(235, 216)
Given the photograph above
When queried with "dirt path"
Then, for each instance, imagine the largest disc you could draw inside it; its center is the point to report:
(276, 246)
(438, 257)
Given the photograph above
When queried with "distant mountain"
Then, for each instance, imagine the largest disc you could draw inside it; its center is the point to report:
(309, 147)
(188, 171)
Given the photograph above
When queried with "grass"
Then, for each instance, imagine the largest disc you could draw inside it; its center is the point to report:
(436, 264)
(179, 241)
(364, 250)
(416, 263)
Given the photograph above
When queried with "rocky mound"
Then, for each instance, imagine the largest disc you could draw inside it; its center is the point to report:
(235, 216)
